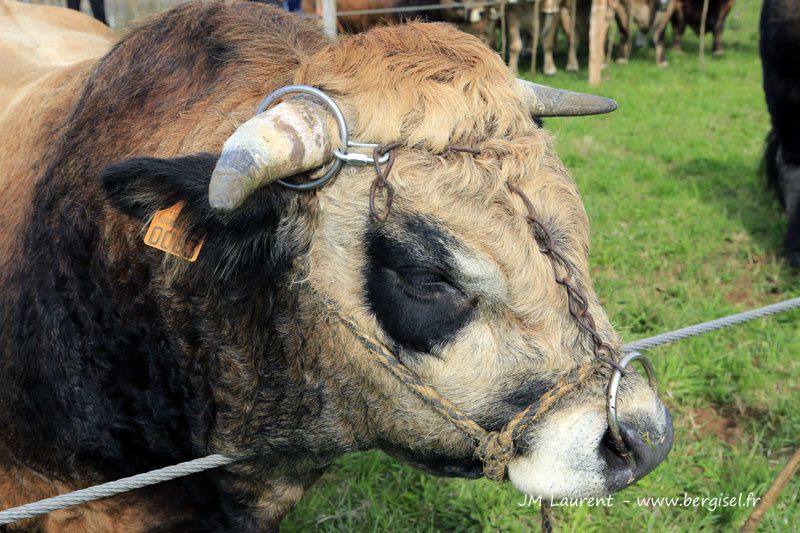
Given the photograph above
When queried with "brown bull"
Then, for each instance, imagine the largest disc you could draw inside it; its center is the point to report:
(521, 16)
(691, 12)
(116, 358)
(650, 16)
(363, 22)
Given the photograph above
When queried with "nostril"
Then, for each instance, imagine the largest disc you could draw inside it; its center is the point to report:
(611, 453)
(642, 446)
(646, 449)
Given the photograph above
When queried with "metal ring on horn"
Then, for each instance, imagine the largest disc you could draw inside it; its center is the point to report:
(337, 114)
(613, 387)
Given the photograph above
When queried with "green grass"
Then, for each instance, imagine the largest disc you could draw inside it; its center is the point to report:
(683, 230)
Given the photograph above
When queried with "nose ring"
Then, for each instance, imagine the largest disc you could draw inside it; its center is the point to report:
(613, 387)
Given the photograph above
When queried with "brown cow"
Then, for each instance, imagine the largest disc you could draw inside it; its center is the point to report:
(45, 53)
(691, 12)
(520, 17)
(361, 23)
(116, 358)
(650, 16)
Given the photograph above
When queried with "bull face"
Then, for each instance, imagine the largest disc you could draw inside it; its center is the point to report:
(452, 280)
(455, 284)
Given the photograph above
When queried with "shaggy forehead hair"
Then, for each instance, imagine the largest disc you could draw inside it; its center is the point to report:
(425, 84)
(430, 86)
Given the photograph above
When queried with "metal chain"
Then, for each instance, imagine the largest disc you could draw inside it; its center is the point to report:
(381, 181)
(577, 303)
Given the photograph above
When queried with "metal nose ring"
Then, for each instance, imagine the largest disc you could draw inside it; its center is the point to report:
(613, 387)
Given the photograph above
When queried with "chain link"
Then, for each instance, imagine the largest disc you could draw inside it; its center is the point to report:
(564, 271)
(381, 181)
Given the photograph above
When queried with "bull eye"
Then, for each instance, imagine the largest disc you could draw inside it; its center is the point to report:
(426, 285)
(409, 288)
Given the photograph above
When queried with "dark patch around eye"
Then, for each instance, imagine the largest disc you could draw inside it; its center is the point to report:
(409, 287)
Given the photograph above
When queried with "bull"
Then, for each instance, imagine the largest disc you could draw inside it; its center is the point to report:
(691, 12)
(363, 22)
(466, 265)
(779, 42)
(650, 16)
(521, 16)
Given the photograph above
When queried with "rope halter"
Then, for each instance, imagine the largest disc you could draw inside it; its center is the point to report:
(494, 448)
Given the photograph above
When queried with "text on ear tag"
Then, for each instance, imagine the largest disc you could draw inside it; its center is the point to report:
(163, 234)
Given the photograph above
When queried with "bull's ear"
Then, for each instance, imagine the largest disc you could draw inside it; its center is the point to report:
(241, 245)
(139, 187)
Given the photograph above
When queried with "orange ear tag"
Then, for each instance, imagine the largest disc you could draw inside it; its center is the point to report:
(164, 235)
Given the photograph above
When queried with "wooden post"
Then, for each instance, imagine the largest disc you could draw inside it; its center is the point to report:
(597, 39)
(703, 19)
(329, 17)
(537, 15)
(503, 31)
(772, 493)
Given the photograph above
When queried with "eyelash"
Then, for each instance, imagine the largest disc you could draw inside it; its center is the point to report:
(421, 285)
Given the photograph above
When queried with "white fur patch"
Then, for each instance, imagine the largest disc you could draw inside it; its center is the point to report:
(480, 276)
(564, 460)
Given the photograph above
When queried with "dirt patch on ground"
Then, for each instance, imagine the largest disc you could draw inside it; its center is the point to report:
(708, 421)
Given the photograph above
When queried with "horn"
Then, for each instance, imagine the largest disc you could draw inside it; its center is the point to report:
(545, 101)
(285, 140)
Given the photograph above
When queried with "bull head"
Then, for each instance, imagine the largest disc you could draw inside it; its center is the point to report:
(294, 137)
(454, 281)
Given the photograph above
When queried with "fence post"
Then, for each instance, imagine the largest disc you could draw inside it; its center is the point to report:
(329, 17)
(597, 40)
(703, 19)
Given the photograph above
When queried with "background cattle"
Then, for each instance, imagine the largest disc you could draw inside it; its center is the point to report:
(521, 17)
(691, 12)
(650, 16)
(483, 22)
(361, 23)
(780, 59)
(116, 358)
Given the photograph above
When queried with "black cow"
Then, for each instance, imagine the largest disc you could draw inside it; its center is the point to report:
(780, 58)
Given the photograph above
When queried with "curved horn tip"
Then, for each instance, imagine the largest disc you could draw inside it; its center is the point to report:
(544, 101)
(608, 106)
(283, 141)
(232, 179)
(223, 200)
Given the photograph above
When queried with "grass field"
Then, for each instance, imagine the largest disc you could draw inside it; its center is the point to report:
(683, 230)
